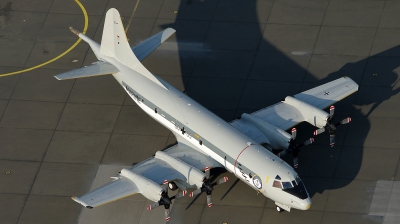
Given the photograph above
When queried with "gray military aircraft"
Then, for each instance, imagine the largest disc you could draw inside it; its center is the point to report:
(205, 141)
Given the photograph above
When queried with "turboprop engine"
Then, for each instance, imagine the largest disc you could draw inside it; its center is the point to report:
(311, 114)
(278, 138)
(152, 191)
(193, 176)
(318, 117)
(147, 187)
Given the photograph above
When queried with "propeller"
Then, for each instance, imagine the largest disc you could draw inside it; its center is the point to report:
(208, 187)
(331, 127)
(166, 201)
(294, 148)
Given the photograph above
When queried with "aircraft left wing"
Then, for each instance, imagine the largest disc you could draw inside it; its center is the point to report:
(306, 106)
(147, 176)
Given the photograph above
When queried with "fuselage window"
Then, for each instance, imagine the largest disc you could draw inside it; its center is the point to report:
(277, 184)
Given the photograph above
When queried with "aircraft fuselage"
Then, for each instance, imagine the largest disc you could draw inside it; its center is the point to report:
(208, 133)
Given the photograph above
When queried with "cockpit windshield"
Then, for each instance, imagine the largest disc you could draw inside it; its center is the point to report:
(286, 185)
(298, 190)
(294, 187)
(296, 181)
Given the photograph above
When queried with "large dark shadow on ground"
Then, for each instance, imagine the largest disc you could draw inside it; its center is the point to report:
(213, 78)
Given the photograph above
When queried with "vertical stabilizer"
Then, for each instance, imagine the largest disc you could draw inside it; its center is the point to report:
(115, 44)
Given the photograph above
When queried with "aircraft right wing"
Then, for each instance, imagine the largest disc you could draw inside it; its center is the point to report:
(305, 106)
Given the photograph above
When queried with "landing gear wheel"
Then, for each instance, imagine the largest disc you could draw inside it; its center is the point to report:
(172, 186)
(279, 209)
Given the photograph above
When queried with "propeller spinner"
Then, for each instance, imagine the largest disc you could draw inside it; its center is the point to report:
(166, 201)
(208, 187)
(331, 127)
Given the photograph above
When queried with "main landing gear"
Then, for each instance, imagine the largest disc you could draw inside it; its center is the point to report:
(279, 209)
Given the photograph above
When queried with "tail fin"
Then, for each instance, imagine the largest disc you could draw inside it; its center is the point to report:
(115, 44)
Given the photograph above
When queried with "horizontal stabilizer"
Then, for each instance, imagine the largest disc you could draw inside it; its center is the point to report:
(99, 68)
(143, 49)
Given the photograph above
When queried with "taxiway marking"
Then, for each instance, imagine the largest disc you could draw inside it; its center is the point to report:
(62, 54)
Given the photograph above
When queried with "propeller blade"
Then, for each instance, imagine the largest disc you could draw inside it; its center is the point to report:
(296, 162)
(180, 194)
(207, 171)
(294, 133)
(209, 201)
(221, 181)
(332, 140)
(331, 111)
(194, 193)
(153, 206)
(319, 131)
(344, 121)
(167, 211)
(308, 142)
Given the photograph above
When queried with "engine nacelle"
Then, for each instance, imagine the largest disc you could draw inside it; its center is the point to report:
(147, 187)
(192, 174)
(277, 138)
(311, 114)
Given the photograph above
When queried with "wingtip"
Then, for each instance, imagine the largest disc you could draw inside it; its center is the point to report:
(77, 199)
(167, 33)
(76, 32)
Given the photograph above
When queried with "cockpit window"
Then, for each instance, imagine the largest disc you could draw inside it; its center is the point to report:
(277, 184)
(298, 190)
(287, 185)
(298, 179)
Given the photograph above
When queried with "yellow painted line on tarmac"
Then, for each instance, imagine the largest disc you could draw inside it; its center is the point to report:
(130, 19)
(61, 55)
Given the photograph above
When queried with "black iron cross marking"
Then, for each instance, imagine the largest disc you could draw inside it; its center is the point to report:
(183, 130)
(326, 93)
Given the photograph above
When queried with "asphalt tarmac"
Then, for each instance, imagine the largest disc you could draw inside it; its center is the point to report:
(63, 138)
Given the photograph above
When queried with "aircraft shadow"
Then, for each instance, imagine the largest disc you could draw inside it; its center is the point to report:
(313, 159)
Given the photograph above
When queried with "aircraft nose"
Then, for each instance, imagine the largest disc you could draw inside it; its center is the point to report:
(308, 203)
